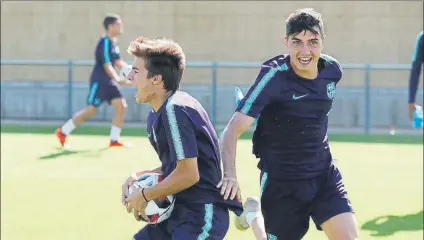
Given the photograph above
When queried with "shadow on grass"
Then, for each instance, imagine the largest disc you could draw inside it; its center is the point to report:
(66, 152)
(81, 130)
(141, 132)
(389, 225)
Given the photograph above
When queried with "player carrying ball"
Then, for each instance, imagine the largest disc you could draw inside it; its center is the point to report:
(185, 140)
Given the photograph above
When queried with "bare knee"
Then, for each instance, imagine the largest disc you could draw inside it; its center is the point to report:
(344, 235)
(341, 227)
(120, 105)
(84, 114)
(90, 111)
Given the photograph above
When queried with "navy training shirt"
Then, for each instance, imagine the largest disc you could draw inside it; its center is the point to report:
(107, 51)
(181, 129)
(417, 63)
(291, 135)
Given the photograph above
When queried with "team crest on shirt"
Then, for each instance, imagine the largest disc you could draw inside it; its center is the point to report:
(331, 90)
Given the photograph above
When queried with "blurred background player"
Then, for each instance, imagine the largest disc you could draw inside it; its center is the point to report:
(185, 140)
(104, 84)
(293, 94)
(417, 62)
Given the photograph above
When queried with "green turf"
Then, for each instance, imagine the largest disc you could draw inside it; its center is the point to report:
(102, 131)
(48, 193)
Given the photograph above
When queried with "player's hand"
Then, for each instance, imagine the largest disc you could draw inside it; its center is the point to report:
(125, 82)
(126, 187)
(137, 203)
(230, 188)
(411, 109)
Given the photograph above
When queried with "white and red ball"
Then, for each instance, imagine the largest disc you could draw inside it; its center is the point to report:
(157, 210)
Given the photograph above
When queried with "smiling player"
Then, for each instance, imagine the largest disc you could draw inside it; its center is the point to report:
(293, 95)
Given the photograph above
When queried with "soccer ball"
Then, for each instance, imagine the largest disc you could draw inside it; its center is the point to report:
(157, 210)
(124, 72)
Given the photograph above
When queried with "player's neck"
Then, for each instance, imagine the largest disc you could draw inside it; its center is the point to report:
(110, 36)
(157, 102)
(313, 74)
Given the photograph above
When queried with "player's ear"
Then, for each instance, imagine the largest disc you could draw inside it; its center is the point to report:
(157, 79)
(322, 44)
(286, 41)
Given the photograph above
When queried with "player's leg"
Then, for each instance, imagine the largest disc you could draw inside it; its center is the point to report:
(119, 104)
(285, 213)
(258, 228)
(332, 211)
(252, 217)
(341, 227)
(94, 100)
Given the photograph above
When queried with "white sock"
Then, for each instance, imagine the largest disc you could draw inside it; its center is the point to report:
(68, 127)
(115, 133)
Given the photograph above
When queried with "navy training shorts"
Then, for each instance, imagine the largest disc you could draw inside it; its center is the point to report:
(287, 205)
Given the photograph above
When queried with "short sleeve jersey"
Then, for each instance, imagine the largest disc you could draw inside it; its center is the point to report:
(107, 51)
(181, 129)
(291, 136)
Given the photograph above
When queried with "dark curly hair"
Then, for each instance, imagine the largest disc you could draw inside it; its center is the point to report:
(304, 19)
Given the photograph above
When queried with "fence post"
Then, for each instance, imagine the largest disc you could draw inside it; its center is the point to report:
(70, 83)
(367, 100)
(214, 92)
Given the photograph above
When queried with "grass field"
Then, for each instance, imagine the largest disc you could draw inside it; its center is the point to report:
(48, 193)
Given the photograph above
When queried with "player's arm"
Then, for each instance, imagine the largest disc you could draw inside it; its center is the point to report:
(110, 71)
(184, 176)
(120, 63)
(104, 55)
(238, 124)
(259, 95)
(117, 58)
(124, 69)
(183, 150)
(414, 75)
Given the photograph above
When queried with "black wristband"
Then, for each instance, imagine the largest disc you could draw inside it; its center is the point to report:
(144, 196)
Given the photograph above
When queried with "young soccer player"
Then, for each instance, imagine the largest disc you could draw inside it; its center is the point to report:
(180, 131)
(417, 63)
(104, 85)
(293, 94)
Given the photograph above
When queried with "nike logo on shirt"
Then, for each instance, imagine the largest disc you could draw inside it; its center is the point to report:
(299, 97)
